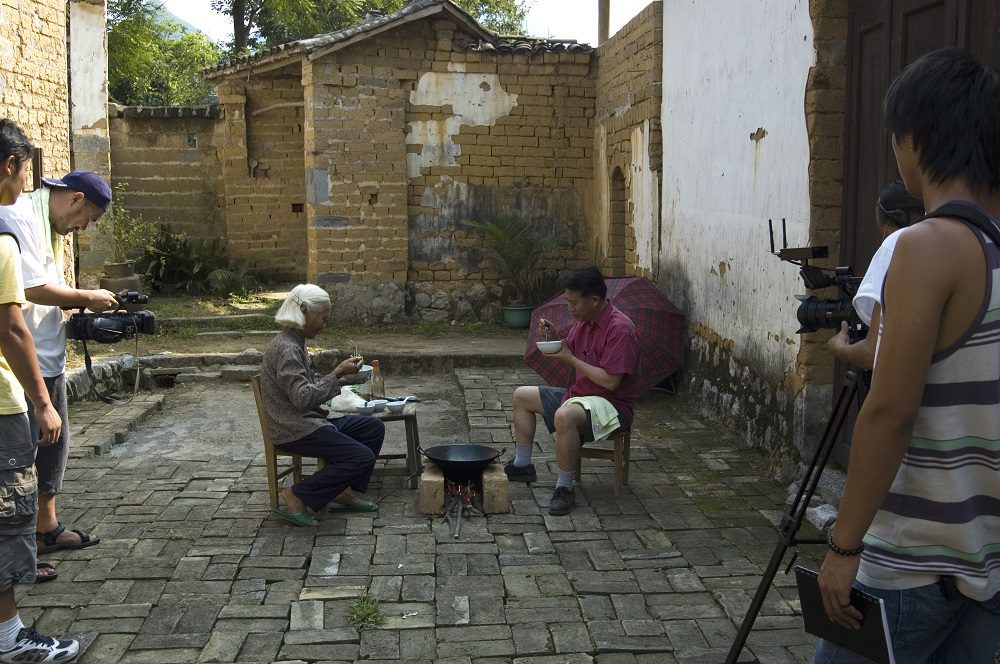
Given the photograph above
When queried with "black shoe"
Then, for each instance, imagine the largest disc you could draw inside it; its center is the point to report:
(562, 501)
(520, 473)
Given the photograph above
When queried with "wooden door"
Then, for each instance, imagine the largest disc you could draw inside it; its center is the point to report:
(883, 37)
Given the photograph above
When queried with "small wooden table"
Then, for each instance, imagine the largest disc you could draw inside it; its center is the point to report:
(414, 466)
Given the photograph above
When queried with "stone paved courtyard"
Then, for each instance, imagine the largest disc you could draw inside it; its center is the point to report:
(193, 569)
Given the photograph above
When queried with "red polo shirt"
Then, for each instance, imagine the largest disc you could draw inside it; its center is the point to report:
(609, 342)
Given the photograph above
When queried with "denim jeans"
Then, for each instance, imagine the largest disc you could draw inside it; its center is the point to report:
(930, 625)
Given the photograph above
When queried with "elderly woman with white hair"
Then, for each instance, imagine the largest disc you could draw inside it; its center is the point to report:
(292, 395)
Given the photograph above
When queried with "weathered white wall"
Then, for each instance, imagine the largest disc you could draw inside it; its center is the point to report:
(644, 188)
(88, 65)
(475, 100)
(735, 153)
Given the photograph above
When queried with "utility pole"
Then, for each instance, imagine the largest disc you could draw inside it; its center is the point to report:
(603, 21)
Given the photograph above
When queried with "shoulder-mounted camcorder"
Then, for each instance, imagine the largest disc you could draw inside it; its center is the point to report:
(113, 326)
(816, 313)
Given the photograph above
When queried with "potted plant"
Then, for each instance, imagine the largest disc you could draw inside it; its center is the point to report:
(128, 235)
(516, 248)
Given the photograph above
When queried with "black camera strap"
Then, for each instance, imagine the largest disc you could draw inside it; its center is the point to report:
(970, 214)
(110, 397)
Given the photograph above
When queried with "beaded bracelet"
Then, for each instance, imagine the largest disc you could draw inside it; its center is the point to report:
(841, 551)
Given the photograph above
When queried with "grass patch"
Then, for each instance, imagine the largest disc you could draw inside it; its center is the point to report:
(365, 612)
(188, 306)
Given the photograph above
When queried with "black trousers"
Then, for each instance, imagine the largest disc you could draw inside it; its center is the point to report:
(349, 445)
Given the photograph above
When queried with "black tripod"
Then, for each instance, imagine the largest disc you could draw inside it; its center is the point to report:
(850, 389)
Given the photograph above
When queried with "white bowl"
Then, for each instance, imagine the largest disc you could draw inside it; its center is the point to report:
(366, 409)
(363, 373)
(396, 406)
(549, 347)
(378, 404)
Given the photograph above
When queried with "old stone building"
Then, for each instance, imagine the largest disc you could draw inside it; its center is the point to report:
(34, 78)
(351, 159)
(60, 101)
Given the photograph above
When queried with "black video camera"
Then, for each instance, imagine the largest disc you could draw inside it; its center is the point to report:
(113, 326)
(814, 312)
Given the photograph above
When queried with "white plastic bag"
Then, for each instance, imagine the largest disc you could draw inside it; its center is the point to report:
(346, 402)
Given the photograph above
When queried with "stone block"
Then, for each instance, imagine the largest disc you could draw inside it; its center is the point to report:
(495, 500)
(430, 490)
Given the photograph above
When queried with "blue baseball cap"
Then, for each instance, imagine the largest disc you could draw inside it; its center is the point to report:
(90, 184)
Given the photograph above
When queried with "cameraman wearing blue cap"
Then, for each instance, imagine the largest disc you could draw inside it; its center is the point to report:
(39, 220)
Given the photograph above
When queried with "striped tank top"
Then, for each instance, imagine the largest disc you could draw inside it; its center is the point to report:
(942, 514)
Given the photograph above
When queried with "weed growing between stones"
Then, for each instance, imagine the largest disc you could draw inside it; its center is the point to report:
(365, 613)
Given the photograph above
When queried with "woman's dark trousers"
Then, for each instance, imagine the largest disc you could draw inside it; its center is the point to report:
(349, 445)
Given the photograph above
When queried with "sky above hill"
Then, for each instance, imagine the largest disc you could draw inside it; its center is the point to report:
(563, 19)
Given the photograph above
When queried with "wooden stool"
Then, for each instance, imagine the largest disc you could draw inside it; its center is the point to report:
(271, 454)
(618, 455)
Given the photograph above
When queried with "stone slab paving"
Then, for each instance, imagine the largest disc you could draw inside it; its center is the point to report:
(193, 569)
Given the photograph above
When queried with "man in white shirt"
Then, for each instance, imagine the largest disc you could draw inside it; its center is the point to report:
(39, 220)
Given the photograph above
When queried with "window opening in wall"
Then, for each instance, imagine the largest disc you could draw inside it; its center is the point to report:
(373, 199)
(297, 207)
(192, 141)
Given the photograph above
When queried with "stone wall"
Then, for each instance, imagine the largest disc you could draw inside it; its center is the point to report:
(168, 162)
(260, 144)
(33, 87)
(628, 145)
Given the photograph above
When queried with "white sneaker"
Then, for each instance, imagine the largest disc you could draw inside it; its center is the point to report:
(39, 649)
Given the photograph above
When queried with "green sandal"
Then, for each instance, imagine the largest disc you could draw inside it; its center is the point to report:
(361, 505)
(302, 519)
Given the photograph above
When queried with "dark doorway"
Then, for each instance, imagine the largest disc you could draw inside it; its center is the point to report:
(883, 37)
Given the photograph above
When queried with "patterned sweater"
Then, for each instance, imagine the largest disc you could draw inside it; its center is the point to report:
(942, 514)
(290, 391)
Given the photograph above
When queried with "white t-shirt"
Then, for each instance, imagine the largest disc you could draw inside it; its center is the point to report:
(39, 267)
(870, 291)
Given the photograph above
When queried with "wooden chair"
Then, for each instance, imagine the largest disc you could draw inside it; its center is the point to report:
(618, 454)
(271, 453)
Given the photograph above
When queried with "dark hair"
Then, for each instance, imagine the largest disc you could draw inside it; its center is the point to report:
(586, 281)
(896, 207)
(14, 142)
(947, 102)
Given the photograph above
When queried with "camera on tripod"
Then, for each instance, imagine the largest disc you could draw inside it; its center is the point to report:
(816, 313)
(113, 326)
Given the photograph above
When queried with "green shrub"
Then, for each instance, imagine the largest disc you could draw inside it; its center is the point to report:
(128, 232)
(174, 263)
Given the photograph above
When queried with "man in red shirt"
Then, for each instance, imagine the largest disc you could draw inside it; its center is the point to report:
(603, 349)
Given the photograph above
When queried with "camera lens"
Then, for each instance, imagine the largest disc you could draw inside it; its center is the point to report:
(816, 313)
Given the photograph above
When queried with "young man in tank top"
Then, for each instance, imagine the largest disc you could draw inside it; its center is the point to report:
(923, 487)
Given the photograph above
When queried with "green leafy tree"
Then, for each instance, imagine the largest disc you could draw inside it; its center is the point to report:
(260, 23)
(152, 61)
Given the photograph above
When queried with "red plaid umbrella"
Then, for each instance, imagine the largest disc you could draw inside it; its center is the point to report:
(659, 325)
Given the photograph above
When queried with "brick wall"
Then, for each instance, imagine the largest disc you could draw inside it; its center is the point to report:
(825, 120)
(535, 161)
(33, 89)
(168, 161)
(629, 92)
(393, 167)
(260, 143)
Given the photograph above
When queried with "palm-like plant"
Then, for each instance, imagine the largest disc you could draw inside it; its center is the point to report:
(516, 248)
